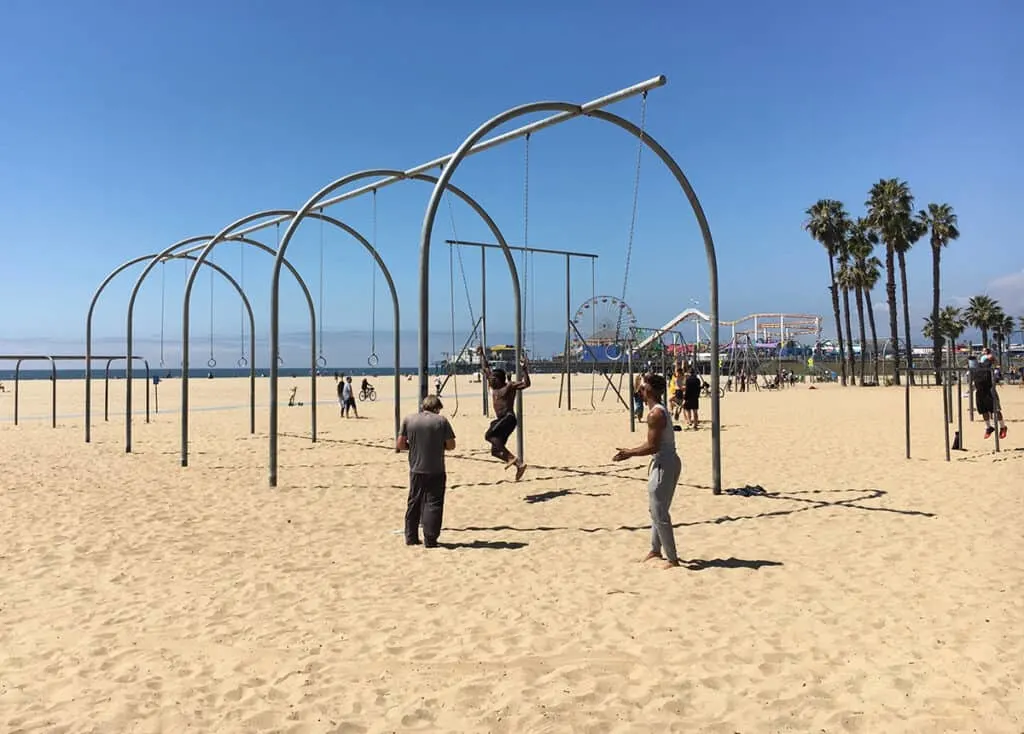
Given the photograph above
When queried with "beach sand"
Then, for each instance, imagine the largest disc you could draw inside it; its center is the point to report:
(859, 592)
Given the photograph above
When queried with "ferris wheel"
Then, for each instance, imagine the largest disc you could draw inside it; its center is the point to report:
(604, 321)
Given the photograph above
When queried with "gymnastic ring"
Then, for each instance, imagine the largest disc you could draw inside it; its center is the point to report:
(321, 360)
(373, 360)
(243, 362)
(211, 363)
(616, 356)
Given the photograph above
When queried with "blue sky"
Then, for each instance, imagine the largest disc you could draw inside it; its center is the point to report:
(129, 125)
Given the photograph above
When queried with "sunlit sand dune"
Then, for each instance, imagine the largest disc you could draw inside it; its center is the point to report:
(838, 587)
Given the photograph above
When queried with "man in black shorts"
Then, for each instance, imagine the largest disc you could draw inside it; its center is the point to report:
(503, 398)
(691, 398)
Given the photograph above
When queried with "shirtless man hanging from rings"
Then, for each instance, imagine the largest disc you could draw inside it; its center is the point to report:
(503, 398)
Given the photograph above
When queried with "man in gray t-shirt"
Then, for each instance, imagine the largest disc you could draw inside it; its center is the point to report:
(426, 436)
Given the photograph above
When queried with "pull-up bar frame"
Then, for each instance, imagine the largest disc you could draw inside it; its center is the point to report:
(568, 254)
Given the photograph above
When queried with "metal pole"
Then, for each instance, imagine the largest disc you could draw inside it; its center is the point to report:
(483, 321)
(946, 417)
(106, 391)
(53, 396)
(568, 318)
(571, 112)
(517, 248)
(906, 407)
(960, 408)
(17, 385)
(146, 364)
(632, 409)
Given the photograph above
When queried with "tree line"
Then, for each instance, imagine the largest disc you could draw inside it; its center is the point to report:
(891, 221)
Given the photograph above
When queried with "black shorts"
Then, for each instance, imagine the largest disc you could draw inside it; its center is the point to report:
(350, 403)
(501, 428)
(691, 403)
(678, 395)
(984, 401)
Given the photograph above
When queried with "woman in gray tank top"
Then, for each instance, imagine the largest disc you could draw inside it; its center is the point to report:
(663, 472)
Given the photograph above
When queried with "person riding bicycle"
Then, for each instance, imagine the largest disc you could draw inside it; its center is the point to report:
(366, 387)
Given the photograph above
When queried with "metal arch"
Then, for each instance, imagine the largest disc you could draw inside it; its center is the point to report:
(226, 236)
(709, 252)
(131, 313)
(449, 171)
(53, 385)
(307, 210)
(106, 383)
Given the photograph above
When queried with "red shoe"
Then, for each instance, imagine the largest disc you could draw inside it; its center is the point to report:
(989, 431)
(1002, 433)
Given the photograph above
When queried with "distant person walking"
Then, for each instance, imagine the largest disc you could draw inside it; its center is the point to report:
(426, 436)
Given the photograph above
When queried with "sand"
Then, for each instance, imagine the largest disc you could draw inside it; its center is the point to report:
(859, 592)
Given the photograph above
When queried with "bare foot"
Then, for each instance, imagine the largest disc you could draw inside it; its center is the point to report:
(669, 564)
(650, 556)
(520, 471)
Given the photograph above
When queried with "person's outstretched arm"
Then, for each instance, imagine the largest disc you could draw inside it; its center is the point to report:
(656, 424)
(525, 382)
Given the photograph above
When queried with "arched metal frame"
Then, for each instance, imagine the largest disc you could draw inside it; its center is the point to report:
(53, 384)
(225, 235)
(124, 266)
(307, 211)
(573, 109)
(106, 384)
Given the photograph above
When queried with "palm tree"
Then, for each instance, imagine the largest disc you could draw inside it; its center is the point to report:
(870, 274)
(889, 207)
(1002, 330)
(911, 232)
(941, 220)
(847, 280)
(827, 223)
(861, 243)
(981, 314)
(951, 326)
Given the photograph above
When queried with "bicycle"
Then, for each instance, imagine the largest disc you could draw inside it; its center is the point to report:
(705, 391)
(370, 395)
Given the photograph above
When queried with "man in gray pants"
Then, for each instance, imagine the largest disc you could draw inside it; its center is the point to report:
(426, 436)
(664, 470)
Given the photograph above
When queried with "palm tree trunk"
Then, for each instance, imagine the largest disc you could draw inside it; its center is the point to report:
(849, 334)
(863, 340)
(984, 337)
(835, 312)
(874, 332)
(906, 313)
(890, 294)
(936, 337)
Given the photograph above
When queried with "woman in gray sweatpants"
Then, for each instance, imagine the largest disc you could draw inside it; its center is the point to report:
(664, 471)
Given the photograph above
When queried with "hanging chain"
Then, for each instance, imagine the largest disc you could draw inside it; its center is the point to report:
(163, 298)
(526, 227)
(320, 318)
(636, 198)
(373, 283)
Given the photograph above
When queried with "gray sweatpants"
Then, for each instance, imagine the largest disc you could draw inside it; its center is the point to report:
(661, 487)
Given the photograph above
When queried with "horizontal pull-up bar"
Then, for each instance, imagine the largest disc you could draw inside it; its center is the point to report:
(583, 109)
(491, 246)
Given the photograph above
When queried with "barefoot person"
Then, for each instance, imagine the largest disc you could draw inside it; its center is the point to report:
(426, 436)
(503, 398)
(663, 472)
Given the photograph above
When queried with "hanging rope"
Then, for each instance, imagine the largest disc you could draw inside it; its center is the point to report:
(458, 254)
(242, 360)
(636, 199)
(451, 293)
(533, 304)
(163, 299)
(320, 359)
(372, 359)
(212, 362)
(277, 231)
(526, 228)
